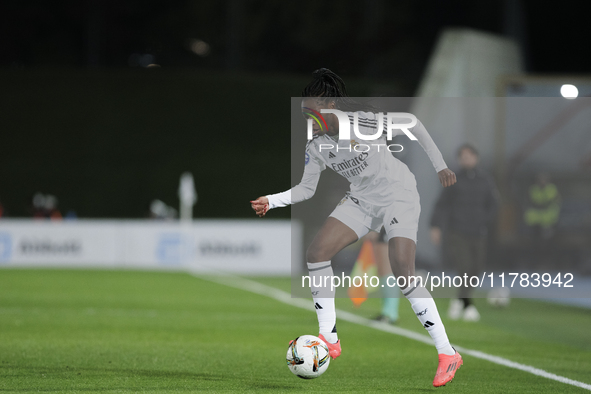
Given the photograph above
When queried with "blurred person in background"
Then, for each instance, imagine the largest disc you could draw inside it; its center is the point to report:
(38, 206)
(71, 215)
(160, 211)
(466, 211)
(45, 207)
(51, 208)
(542, 214)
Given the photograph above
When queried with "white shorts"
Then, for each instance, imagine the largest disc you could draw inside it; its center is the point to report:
(400, 219)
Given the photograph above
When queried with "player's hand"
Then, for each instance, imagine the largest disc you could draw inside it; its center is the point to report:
(260, 206)
(436, 235)
(447, 177)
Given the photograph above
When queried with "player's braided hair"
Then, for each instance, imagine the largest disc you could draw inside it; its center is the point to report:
(329, 86)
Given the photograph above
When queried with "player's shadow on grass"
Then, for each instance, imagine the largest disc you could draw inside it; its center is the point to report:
(274, 386)
(71, 376)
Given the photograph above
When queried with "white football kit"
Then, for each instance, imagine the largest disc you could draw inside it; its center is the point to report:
(383, 190)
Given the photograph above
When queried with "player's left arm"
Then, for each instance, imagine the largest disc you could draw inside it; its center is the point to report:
(446, 176)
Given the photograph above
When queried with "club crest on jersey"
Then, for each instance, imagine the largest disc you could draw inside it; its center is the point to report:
(354, 144)
(307, 160)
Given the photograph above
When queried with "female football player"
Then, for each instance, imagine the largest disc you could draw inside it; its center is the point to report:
(383, 192)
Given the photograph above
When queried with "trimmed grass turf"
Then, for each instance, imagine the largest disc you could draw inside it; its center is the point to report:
(127, 331)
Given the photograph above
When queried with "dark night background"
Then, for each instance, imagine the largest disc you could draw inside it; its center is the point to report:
(82, 119)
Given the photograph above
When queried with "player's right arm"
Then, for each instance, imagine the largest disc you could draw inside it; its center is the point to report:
(301, 192)
(446, 176)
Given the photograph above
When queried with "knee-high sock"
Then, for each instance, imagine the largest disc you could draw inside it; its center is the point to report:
(390, 300)
(424, 307)
(320, 281)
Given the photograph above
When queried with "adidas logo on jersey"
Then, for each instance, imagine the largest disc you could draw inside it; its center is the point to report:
(317, 306)
(393, 221)
(331, 155)
(428, 324)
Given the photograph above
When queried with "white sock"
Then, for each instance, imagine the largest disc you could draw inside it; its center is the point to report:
(320, 280)
(424, 307)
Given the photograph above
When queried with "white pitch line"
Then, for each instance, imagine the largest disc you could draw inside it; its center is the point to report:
(282, 296)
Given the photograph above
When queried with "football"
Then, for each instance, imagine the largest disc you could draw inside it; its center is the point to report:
(307, 357)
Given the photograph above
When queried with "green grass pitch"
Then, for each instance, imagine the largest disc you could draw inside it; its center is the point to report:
(127, 331)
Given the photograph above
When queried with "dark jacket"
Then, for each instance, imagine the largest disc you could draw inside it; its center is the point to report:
(468, 207)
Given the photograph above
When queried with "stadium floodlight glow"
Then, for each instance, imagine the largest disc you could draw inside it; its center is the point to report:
(569, 91)
(199, 47)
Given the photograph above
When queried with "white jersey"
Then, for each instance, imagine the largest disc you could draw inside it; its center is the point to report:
(374, 173)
